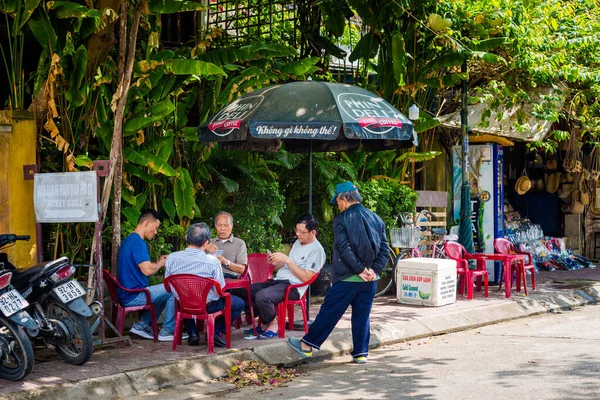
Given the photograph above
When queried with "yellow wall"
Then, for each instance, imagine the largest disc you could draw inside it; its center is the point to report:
(17, 148)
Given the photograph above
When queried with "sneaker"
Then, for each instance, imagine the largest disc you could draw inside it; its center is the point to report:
(361, 360)
(166, 336)
(142, 330)
(296, 344)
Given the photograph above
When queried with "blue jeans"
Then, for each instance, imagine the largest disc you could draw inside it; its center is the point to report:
(342, 294)
(237, 306)
(162, 300)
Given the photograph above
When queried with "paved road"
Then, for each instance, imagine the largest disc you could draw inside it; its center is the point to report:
(553, 356)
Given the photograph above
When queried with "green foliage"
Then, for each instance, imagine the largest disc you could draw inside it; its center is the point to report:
(257, 214)
(387, 198)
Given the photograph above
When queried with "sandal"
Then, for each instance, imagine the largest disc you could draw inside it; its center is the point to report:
(251, 331)
(265, 335)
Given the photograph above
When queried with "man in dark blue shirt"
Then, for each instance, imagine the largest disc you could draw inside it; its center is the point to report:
(135, 267)
(360, 252)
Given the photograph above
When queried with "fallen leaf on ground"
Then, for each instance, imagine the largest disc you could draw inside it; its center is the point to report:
(255, 373)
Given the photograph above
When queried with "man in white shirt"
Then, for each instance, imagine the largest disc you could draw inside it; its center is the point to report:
(305, 260)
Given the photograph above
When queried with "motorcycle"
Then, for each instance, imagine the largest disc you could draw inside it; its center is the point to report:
(16, 351)
(56, 303)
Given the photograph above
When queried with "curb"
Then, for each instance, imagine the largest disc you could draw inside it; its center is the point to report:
(204, 368)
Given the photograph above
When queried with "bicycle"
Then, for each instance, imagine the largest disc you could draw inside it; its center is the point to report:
(405, 244)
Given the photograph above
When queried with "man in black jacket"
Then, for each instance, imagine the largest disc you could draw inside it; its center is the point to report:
(360, 253)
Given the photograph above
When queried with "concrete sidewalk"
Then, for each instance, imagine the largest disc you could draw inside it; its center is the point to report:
(124, 371)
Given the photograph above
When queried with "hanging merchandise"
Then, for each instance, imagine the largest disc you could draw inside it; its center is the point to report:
(523, 183)
(585, 196)
(577, 205)
(595, 164)
(572, 161)
(552, 181)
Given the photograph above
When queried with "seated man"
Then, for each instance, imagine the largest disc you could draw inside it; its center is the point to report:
(233, 254)
(134, 269)
(305, 260)
(194, 260)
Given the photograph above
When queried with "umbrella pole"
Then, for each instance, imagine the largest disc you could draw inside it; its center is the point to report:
(466, 228)
(299, 325)
(310, 177)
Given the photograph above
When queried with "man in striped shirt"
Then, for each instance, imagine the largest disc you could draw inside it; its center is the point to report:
(194, 260)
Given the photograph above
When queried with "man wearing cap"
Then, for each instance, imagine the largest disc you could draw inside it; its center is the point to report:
(360, 253)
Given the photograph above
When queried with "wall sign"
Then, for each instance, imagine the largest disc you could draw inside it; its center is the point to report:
(65, 197)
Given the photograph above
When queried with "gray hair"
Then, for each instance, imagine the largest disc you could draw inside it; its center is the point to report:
(224, 213)
(351, 196)
(198, 234)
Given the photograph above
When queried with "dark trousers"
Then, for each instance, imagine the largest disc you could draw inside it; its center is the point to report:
(237, 306)
(360, 296)
(265, 295)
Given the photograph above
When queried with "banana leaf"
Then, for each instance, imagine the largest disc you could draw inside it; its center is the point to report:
(169, 207)
(158, 165)
(365, 49)
(135, 171)
(69, 9)
(335, 21)
(298, 67)
(184, 192)
(75, 94)
(42, 29)
(193, 67)
(131, 214)
(398, 58)
(444, 61)
(84, 161)
(154, 113)
(29, 8)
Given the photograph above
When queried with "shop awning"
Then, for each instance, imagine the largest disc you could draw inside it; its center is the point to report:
(502, 121)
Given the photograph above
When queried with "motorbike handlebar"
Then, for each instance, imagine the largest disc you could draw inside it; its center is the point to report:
(8, 238)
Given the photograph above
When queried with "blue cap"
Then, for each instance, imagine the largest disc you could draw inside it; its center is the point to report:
(341, 188)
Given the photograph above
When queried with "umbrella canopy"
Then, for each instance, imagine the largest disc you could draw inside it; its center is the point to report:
(309, 116)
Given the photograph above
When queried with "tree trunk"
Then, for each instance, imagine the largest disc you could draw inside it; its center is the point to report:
(126, 54)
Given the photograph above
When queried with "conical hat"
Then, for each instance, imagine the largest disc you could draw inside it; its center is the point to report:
(523, 185)
(553, 182)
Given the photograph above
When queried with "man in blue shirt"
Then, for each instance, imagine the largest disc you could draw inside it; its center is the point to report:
(135, 267)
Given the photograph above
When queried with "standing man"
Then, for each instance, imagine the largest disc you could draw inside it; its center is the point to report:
(233, 252)
(134, 269)
(360, 253)
(194, 260)
(305, 260)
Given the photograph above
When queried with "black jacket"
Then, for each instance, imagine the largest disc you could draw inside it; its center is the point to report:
(359, 242)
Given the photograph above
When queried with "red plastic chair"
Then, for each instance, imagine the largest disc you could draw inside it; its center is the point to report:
(288, 304)
(119, 312)
(190, 293)
(457, 252)
(504, 246)
(259, 268)
(243, 282)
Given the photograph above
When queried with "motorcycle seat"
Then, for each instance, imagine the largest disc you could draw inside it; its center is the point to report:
(22, 277)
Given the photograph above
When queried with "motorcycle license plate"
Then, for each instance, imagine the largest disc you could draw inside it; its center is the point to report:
(11, 302)
(69, 291)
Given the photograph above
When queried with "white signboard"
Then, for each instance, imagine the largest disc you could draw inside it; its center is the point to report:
(66, 197)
